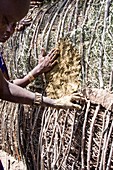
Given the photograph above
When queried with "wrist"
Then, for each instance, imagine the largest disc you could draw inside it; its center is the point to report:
(49, 102)
(30, 77)
(37, 70)
(38, 100)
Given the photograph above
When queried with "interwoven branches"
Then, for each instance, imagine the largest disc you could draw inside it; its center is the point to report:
(68, 140)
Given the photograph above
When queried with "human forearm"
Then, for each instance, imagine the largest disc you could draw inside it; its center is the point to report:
(49, 102)
(23, 82)
(45, 64)
(13, 93)
(65, 102)
(16, 94)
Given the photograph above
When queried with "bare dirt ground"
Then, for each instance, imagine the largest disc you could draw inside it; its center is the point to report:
(10, 163)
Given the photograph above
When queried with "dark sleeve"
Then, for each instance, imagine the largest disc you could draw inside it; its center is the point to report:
(3, 67)
(1, 166)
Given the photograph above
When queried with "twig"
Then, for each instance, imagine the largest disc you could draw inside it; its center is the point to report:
(33, 36)
(110, 157)
(91, 42)
(85, 7)
(82, 41)
(47, 25)
(72, 15)
(101, 138)
(53, 134)
(48, 118)
(103, 155)
(35, 120)
(76, 13)
(60, 23)
(100, 70)
(51, 24)
(63, 20)
(83, 135)
(71, 135)
(111, 80)
(40, 144)
(60, 147)
(108, 139)
(38, 28)
(66, 151)
(90, 137)
(104, 143)
(55, 146)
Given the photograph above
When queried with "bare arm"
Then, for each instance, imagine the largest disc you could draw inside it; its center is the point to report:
(14, 93)
(46, 63)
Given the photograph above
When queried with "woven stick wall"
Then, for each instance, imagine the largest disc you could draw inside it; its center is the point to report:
(57, 139)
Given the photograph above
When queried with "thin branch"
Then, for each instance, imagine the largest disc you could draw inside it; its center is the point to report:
(51, 24)
(100, 70)
(91, 136)
(83, 136)
(108, 140)
(110, 157)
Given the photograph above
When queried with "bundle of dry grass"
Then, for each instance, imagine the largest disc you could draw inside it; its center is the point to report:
(64, 78)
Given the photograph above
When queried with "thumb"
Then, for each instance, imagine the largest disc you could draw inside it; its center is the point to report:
(43, 52)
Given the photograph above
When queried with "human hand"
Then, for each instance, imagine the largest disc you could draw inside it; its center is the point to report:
(41, 56)
(69, 102)
(47, 62)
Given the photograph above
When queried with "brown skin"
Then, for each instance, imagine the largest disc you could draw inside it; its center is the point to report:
(12, 11)
(44, 66)
(46, 63)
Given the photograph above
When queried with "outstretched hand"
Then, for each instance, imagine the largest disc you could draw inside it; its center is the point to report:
(69, 102)
(47, 62)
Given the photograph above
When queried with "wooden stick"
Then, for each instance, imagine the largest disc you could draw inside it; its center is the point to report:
(108, 140)
(110, 157)
(83, 136)
(91, 136)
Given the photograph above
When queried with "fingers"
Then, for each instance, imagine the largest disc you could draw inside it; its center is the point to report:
(77, 97)
(77, 94)
(43, 52)
(49, 61)
(54, 60)
(54, 54)
(52, 51)
(76, 106)
(54, 63)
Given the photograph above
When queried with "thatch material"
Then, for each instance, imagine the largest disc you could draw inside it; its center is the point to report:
(64, 78)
